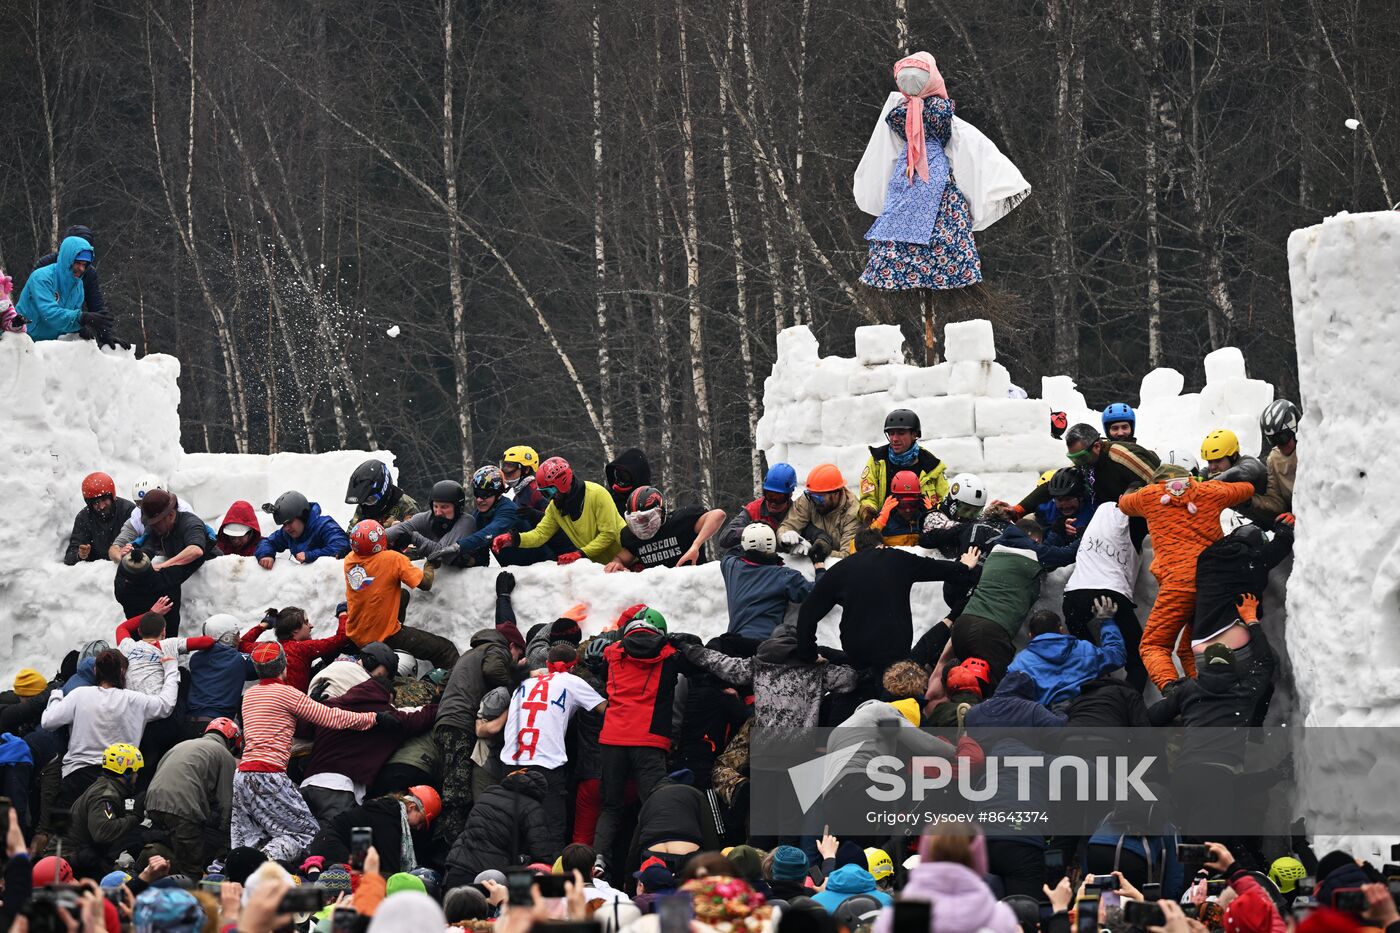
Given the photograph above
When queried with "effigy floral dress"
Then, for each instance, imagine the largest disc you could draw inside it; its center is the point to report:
(924, 237)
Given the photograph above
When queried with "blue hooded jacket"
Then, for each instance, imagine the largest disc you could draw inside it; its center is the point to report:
(52, 298)
(1014, 705)
(499, 519)
(848, 881)
(216, 681)
(323, 537)
(86, 676)
(1061, 664)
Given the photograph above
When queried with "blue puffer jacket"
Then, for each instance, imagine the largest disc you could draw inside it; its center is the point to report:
(848, 881)
(216, 681)
(497, 520)
(53, 298)
(1061, 664)
(323, 537)
(759, 592)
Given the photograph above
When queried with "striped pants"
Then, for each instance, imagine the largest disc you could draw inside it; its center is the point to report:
(270, 815)
(1169, 627)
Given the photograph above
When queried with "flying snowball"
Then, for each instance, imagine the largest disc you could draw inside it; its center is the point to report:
(1352, 123)
(393, 331)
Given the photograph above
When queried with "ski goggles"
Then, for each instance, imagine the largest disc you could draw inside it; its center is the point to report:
(372, 499)
(817, 498)
(549, 492)
(1080, 457)
(776, 501)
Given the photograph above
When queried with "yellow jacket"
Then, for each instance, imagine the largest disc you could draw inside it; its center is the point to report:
(875, 479)
(596, 532)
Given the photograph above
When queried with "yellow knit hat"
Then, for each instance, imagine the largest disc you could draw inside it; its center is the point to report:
(30, 683)
(909, 709)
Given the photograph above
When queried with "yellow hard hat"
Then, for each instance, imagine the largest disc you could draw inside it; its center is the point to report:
(121, 758)
(525, 456)
(879, 863)
(1220, 444)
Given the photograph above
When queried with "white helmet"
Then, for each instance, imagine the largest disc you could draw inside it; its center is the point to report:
(408, 664)
(145, 484)
(223, 627)
(1183, 459)
(759, 537)
(968, 494)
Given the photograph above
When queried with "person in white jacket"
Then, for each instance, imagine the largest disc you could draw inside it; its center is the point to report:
(1107, 564)
(102, 715)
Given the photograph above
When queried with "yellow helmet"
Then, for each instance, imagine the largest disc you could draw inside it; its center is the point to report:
(879, 863)
(1045, 477)
(1220, 444)
(1286, 872)
(525, 456)
(121, 758)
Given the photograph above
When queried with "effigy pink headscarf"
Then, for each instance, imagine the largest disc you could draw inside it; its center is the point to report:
(914, 114)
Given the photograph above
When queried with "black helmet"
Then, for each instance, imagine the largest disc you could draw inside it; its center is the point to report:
(369, 483)
(288, 506)
(903, 419)
(1067, 481)
(378, 654)
(1279, 421)
(449, 490)
(1026, 909)
(856, 911)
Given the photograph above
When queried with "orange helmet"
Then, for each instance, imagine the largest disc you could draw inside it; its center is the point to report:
(432, 803)
(905, 485)
(825, 477)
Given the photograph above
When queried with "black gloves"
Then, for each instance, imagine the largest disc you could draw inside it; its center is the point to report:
(681, 640)
(505, 583)
(97, 321)
(821, 550)
(386, 719)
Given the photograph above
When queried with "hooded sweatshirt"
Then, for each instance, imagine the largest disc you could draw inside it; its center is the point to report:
(53, 298)
(1014, 705)
(634, 462)
(1060, 664)
(962, 902)
(217, 676)
(848, 881)
(240, 513)
(1238, 563)
(322, 537)
(642, 672)
(759, 588)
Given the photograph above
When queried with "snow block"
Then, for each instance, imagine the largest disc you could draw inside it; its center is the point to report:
(798, 423)
(1161, 384)
(1227, 397)
(969, 341)
(850, 460)
(1023, 453)
(879, 343)
(827, 378)
(1225, 363)
(961, 454)
(996, 416)
(854, 419)
(988, 380)
(1009, 487)
(928, 381)
(875, 379)
(949, 416)
(797, 346)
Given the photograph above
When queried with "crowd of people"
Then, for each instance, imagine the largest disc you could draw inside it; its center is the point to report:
(237, 772)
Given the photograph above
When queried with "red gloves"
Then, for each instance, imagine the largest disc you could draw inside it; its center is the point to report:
(1286, 518)
(568, 558)
(503, 541)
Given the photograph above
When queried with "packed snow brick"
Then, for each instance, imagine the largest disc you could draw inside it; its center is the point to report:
(798, 423)
(995, 416)
(1162, 384)
(961, 454)
(929, 381)
(1225, 363)
(949, 416)
(887, 378)
(855, 419)
(969, 341)
(798, 345)
(827, 378)
(879, 343)
(1024, 452)
(1061, 395)
(990, 380)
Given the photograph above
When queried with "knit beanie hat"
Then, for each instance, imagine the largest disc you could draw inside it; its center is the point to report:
(849, 852)
(269, 660)
(748, 864)
(30, 683)
(167, 909)
(789, 864)
(335, 878)
(403, 881)
(909, 709)
(565, 629)
(1331, 862)
(512, 634)
(156, 504)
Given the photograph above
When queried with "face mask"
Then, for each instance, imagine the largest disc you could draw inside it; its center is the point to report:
(644, 524)
(1177, 486)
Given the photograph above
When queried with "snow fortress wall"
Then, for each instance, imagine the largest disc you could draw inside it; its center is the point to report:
(1344, 595)
(831, 409)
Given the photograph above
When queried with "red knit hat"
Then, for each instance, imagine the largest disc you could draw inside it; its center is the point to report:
(269, 660)
(1252, 913)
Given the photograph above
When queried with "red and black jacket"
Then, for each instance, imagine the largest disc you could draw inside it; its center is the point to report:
(642, 672)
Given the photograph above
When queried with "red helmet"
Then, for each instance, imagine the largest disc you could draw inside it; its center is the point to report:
(51, 870)
(905, 485)
(432, 803)
(97, 485)
(229, 730)
(557, 474)
(367, 537)
(961, 679)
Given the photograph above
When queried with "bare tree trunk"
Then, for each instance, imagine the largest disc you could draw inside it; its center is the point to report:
(1365, 128)
(461, 366)
(801, 302)
(661, 293)
(600, 266)
(901, 26)
(1061, 24)
(1220, 316)
(740, 273)
(1148, 50)
(698, 376)
(775, 276)
(238, 411)
(40, 35)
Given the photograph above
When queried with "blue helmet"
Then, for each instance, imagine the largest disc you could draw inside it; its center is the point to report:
(167, 910)
(1119, 411)
(781, 478)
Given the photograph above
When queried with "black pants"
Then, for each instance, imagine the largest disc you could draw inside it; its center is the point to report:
(1019, 865)
(555, 805)
(645, 765)
(193, 843)
(424, 645)
(978, 637)
(326, 803)
(1078, 609)
(73, 785)
(138, 592)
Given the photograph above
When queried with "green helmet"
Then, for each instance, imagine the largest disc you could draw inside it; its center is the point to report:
(1286, 872)
(647, 618)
